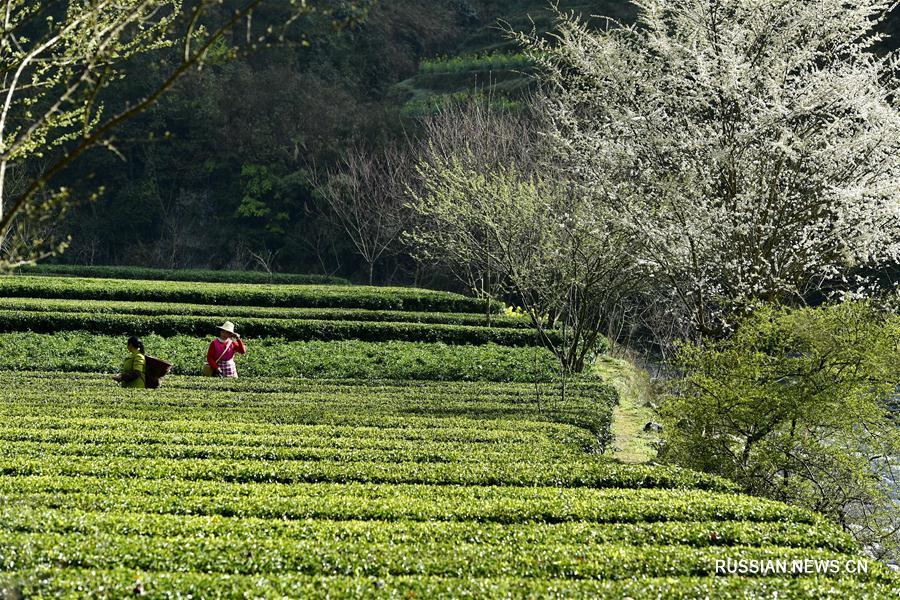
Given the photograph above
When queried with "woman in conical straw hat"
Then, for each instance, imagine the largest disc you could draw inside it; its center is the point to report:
(220, 356)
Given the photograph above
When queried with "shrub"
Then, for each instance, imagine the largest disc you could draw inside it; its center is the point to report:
(794, 407)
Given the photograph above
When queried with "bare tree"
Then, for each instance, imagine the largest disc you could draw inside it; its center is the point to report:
(180, 237)
(491, 137)
(265, 259)
(366, 194)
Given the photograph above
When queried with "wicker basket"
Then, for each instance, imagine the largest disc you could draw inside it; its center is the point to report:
(154, 370)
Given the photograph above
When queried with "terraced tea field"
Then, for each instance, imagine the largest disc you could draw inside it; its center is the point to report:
(374, 465)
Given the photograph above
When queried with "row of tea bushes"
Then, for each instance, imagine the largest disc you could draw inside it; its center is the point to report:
(309, 420)
(238, 312)
(371, 488)
(297, 296)
(50, 520)
(281, 415)
(16, 461)
(398, 558)
(290, 329)
(123, 582)
(224, 276)
(277, 357)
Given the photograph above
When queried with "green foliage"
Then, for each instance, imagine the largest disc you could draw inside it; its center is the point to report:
(268, 196)
(277, 357)
(202, 555)
(56, 53)
(291, 487)
(313, 296)
(123, 272)
(83, 70)
(258, 184)
(794, 407)
(236, 312)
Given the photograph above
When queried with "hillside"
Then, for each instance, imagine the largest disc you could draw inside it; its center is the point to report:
(349, 468)
(485, 60)
(258, 127)
(242, 142)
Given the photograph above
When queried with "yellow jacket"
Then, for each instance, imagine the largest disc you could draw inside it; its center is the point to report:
(133, 363)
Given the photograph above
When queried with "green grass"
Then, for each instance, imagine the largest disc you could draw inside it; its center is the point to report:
(81, 351)
(631, 443)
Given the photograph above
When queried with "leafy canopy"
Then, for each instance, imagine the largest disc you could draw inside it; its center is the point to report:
(794, 406)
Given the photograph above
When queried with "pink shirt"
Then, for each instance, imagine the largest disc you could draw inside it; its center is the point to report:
(225, 349)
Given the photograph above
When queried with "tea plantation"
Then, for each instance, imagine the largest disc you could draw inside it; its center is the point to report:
(380, 443)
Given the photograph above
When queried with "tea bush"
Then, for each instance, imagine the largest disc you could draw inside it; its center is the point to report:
(368, 488)
(121, 272)
(298, 296)
(237, 312)
(291, 329)
(356, 467)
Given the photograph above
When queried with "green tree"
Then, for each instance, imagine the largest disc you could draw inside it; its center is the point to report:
(795, 406)
(492, 209)
(66, 67)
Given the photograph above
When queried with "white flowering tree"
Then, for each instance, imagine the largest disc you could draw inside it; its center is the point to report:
(752, 146)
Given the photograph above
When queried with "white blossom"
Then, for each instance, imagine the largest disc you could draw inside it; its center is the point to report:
(753, 146)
